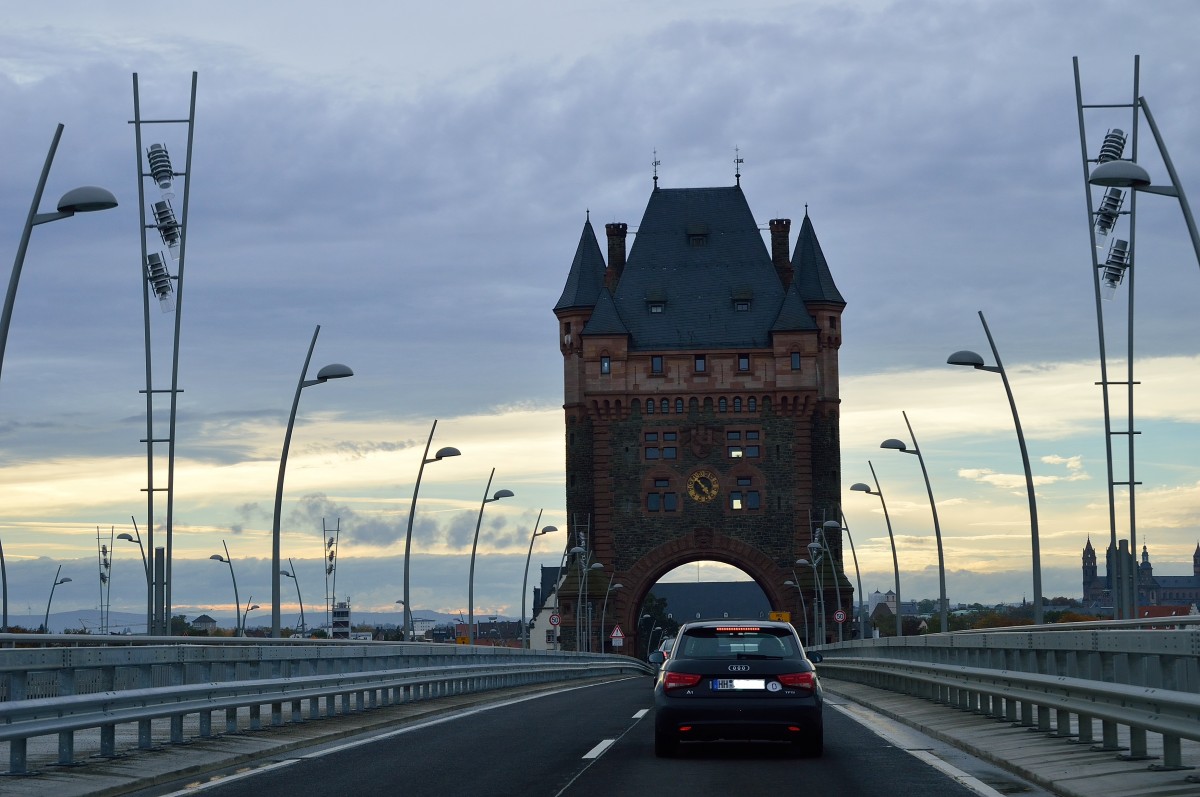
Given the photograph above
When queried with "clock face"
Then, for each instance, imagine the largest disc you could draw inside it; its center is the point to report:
(703, 486)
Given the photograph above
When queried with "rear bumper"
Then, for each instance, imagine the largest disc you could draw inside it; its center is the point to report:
(711, 719)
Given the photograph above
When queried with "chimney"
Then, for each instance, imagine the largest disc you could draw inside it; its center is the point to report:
(616, 254)
(779, 250)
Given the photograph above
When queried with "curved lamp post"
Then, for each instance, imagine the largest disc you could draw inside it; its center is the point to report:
(332, 371)
(525, 580)
(292, 575)
(425, 460)
(583, 644)
(135, 537)
(814, 550)
(860, 613)
(975, 361)
(898, 445)
(474, 545)
(863, 488)
(57, 581)
(78, 200)
(604, 606)
(803, 609)
(826, 527)
(246, 613)
(237, 603)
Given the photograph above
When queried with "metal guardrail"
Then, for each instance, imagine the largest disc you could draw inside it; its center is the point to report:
(1146, 680)
(75, 683)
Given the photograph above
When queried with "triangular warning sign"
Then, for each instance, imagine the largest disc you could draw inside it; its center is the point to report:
(617, 633)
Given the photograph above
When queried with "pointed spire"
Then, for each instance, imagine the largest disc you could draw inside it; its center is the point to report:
(813, 277)
(587, 272)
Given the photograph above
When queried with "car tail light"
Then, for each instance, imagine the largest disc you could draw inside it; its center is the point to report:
(678, 680)
(799, 680)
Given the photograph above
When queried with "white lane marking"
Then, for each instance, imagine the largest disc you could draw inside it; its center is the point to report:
(195, 787)
(965, 779)
(599, 749)
(324, 751)
(641, 714)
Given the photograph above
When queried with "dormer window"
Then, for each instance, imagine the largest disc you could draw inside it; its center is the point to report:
(741, 306)
(697, 235)
(656, 301)
(657, 307)
(741, 299)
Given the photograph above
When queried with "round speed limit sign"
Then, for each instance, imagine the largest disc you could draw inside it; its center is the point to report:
(839, 616)
(555, 619)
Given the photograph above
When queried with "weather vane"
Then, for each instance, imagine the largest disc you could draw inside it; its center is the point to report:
(737, 165)
(656, 164)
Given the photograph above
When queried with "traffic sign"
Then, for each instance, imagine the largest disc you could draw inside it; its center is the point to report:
(781, 617)
(839, 616)
(555, 619)
(617, 633)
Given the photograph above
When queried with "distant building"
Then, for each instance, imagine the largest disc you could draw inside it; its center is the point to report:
(204, 623)
(1152, 590)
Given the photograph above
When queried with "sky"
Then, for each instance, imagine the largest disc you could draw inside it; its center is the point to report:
(414, 180)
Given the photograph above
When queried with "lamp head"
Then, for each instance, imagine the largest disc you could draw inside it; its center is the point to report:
(965, 357)
(831, 525)
(125, 536)
(86, 199)
(286, 573)
(576, 551)
(789, 583)
(893, 443)
(597, 566)
(860, 487)
(217, 558)
(545, 530)
(803, 562)
(334, 371)
(448, 451)
(1119, 174)
(496, 496)
(401, 602)
(64, 580)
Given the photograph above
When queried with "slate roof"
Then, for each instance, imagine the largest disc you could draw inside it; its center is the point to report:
(812, 272)
(586, 277)
(696, 284)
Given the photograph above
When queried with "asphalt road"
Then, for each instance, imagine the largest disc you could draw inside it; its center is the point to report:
(586, 741)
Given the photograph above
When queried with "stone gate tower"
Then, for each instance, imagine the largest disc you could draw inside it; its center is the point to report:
(700, 377)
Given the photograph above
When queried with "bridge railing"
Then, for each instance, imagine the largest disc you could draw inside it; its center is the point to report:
(64, 684)
(1145, 680)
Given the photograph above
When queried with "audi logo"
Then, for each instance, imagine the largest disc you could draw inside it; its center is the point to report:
(739, 668)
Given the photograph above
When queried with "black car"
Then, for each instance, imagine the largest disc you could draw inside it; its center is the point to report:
(738, 680)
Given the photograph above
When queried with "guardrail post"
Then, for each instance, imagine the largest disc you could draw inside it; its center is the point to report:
(1064, 723)
(256, 717)
(1043, 719)
(16, 757)
(145, 731)
(66, 739)
(1085, 722)
(231, 720)
(1172, 753)
(205, 719)
(108, 741)
(1109, 742)
(1137, 746)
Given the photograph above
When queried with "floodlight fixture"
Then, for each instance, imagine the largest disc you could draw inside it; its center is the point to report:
(168, 226)
(160, 168)
(1114, 145)
(1110, 208)
(160, 281)
(1113, 271)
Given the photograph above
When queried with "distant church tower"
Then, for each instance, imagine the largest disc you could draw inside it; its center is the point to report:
(701, 404)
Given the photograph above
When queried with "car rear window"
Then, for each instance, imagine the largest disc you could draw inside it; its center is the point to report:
(733, 642)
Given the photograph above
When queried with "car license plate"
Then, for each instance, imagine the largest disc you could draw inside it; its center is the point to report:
(729, 684)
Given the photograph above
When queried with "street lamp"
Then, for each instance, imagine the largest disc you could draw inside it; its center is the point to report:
(425, 460)
(332, 371)
(78, 200)
(814, 550)
(403, 618)
(863, 488)
(898, 445)
(826, 527)
(604, 606)
(237, 604)
(975, 361)
(292, 575)
(474, 545)
(525, 580)
(135, 537)
(57, 581)
(246, 613)
(861, 611)
(582, 616)
(795, 582)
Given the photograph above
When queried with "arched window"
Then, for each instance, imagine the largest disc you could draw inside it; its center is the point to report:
(722, 404)
(752, 404)
(679, 406)
(737, 404)
(665, 406)
(649, 406)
